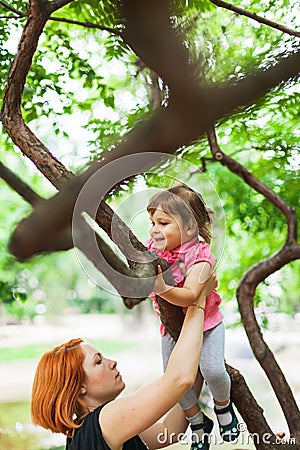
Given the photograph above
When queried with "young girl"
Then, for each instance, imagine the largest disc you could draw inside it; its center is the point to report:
(180, 233)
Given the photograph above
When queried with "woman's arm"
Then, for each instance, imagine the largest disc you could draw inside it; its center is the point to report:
(190, 291)
(123, 418)
(167, 430)
(172, 426)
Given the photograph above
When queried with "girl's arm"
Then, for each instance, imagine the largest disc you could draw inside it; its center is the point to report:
(123, 418)
(190, 291)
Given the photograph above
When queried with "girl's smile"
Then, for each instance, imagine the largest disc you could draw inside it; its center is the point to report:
(167, 232)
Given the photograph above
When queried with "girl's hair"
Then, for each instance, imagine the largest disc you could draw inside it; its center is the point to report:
(56, 401)
(184, 201)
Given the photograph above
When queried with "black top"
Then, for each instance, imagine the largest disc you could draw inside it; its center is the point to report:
(89, 436)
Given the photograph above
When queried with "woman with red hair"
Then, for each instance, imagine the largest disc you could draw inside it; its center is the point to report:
(76, 388)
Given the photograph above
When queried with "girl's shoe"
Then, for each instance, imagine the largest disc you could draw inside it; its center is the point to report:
(204, 442)
(231, 431)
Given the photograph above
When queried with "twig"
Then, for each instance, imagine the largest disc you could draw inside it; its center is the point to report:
(11, 17)
(10, 8)
(19, 186)
(87, 25)
(256, 17)
(257, 273)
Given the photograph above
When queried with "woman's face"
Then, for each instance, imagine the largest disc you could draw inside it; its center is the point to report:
(103, 382)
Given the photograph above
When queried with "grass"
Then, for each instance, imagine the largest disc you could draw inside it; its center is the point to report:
(10, 439)
(35, 351)
(18, 442)
(12, 412)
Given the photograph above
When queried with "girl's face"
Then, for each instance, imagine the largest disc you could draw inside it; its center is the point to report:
(168, 232)
(103, 382)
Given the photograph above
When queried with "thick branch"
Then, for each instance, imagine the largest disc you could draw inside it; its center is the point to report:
(31, 146)
(11, 115)
(148, 27)
(256, 17)
(135, 284)
(252, 413)
(164, 132)
(246, 290)
(19, 186)
(139, 278)
(53, 5)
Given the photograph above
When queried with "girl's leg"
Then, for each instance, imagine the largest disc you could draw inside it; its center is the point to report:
(212, 363)
(212, 366)
(201, 425)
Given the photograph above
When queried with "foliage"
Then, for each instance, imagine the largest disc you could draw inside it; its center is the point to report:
(90, 76)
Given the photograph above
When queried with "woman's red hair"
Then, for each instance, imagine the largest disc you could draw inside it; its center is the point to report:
(56, 401)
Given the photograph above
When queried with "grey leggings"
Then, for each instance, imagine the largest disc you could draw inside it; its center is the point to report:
(212, 366)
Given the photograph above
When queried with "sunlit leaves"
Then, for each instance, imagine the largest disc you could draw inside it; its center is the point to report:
(82, 69)
(95, 11)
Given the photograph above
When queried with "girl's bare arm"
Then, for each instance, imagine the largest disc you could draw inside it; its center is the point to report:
(190, 291)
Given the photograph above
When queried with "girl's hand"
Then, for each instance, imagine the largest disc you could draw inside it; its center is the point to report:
(159, 285)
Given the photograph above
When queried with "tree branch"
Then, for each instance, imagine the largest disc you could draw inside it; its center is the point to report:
(52, 5)
(257, 185)
(169, 128)
(11, 115)
(10, 8)
(256, 17)
(10, 17)
(139, 281)
(253, 415)
(257, 273)
(30, 145)
(19, 186)
(87, 25)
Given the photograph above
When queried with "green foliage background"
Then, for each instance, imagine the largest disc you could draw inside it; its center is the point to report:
(91, 78)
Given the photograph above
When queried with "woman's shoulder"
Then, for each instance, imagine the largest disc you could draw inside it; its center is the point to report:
(89, 435)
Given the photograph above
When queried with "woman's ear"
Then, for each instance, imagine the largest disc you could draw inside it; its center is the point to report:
(83, 390)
